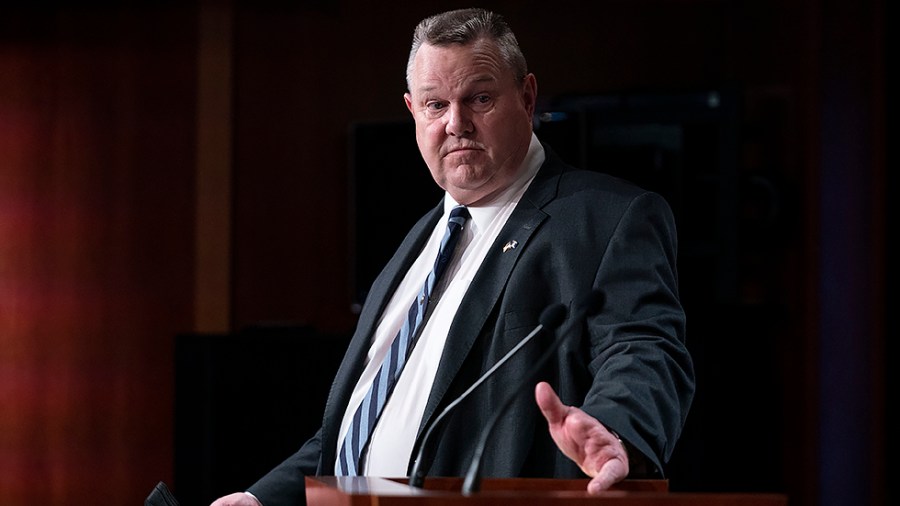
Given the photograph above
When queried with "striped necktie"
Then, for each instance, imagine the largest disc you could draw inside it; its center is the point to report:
(356, 440)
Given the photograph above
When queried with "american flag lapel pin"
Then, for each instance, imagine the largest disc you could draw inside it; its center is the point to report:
(510, 245)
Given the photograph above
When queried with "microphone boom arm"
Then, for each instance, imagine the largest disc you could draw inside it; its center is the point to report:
(550, 318)
(588, 306)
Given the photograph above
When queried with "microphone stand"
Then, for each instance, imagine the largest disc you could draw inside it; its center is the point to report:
(590, 305)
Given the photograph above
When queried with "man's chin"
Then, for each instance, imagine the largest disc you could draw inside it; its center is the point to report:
(463, 172)
(465, 180)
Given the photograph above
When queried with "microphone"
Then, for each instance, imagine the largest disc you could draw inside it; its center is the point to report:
(587, 306)
(550, 318)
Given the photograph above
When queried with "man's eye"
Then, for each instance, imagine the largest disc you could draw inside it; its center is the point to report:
(482, 101)
(434, 106)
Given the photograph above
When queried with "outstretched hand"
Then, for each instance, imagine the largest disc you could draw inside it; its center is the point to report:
(236, 499)
(582, 438)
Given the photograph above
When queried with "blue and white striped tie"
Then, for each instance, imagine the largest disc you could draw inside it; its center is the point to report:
(356, 440)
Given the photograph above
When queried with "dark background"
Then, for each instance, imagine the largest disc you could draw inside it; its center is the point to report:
(764, 123)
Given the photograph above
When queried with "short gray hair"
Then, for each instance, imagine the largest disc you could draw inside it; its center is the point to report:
(464, 26)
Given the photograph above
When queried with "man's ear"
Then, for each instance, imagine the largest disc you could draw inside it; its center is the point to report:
(529, 94)
(408, 99)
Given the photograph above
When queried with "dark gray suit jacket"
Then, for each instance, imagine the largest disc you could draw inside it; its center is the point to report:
(627, 366)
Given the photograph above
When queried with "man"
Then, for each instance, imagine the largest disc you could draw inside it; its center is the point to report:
(530, 232)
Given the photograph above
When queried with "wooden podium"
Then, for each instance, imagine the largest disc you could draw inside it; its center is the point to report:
(364, 491)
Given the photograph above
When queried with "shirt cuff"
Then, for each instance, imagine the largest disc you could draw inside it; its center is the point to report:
(254, 498)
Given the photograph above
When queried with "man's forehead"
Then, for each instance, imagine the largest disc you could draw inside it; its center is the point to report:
(432, 82)
(456, 64)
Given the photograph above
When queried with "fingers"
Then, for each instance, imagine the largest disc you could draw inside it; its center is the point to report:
(612, 472)
(236, 499)
(547, 400)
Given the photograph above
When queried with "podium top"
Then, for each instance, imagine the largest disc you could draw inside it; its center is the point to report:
(365, 491)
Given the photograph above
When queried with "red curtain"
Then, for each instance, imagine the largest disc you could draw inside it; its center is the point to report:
(97, 158)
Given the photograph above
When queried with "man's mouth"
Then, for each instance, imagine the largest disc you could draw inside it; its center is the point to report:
(462, 149)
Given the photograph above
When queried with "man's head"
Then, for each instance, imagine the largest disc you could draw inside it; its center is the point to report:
(473, 101)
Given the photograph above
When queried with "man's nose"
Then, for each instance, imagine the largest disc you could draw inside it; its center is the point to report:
(459, 121)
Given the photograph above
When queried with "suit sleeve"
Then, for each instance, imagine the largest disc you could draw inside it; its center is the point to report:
(643, 379)
(285, 484)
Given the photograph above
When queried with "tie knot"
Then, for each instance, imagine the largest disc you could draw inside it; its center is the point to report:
(459, 214)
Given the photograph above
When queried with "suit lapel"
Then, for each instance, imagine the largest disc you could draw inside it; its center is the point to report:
(490, 282)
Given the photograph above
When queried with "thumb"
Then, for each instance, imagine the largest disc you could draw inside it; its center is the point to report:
(547, 400)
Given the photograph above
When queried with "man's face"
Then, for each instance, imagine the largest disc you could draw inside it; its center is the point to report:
(473, 120)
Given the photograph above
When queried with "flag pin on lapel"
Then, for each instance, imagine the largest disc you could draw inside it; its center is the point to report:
(510, 245)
